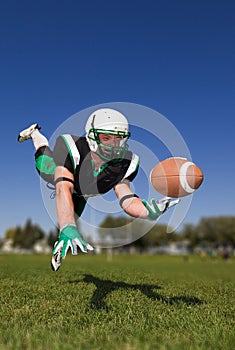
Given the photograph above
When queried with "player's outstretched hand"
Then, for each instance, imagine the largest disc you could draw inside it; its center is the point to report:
(157, 208)
(69, 237)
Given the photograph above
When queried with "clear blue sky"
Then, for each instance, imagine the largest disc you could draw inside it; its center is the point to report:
(60, 57)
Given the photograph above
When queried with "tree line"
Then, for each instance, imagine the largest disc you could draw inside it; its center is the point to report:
(213, 231)
(25, 237)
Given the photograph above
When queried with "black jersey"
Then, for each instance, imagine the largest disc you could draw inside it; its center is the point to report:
(73, 153)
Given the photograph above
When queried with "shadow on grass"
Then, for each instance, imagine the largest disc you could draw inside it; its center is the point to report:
(104, 287)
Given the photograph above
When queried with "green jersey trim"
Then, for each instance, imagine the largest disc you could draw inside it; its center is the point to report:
(73, 151)
(99, 171)
(133, 166)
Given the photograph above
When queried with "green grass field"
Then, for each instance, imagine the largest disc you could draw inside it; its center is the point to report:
(131, 302)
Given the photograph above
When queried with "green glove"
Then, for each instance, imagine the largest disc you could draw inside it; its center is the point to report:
(157, 208)
(69, 237)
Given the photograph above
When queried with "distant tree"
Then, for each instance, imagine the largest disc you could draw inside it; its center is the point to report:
(140, 233)
(18, 237)
(211, 230)
(111, 222)
(115, 229)
(52, 237)
(1, 242)
(220, 230)
(27, 236)
(10, 233)
(156, 236)
(191, 233)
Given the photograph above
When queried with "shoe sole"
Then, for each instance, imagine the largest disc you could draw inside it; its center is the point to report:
(27, 132)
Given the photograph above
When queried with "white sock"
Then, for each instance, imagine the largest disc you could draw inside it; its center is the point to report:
(39, 140)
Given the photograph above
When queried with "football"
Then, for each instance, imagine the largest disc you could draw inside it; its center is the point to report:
(176, 177)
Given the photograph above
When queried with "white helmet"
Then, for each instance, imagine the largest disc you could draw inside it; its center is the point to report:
(107, 121)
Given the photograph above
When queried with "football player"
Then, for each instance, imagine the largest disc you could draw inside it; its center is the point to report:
(92, 165)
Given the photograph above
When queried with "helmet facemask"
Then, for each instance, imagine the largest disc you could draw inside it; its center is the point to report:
(107, 151)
